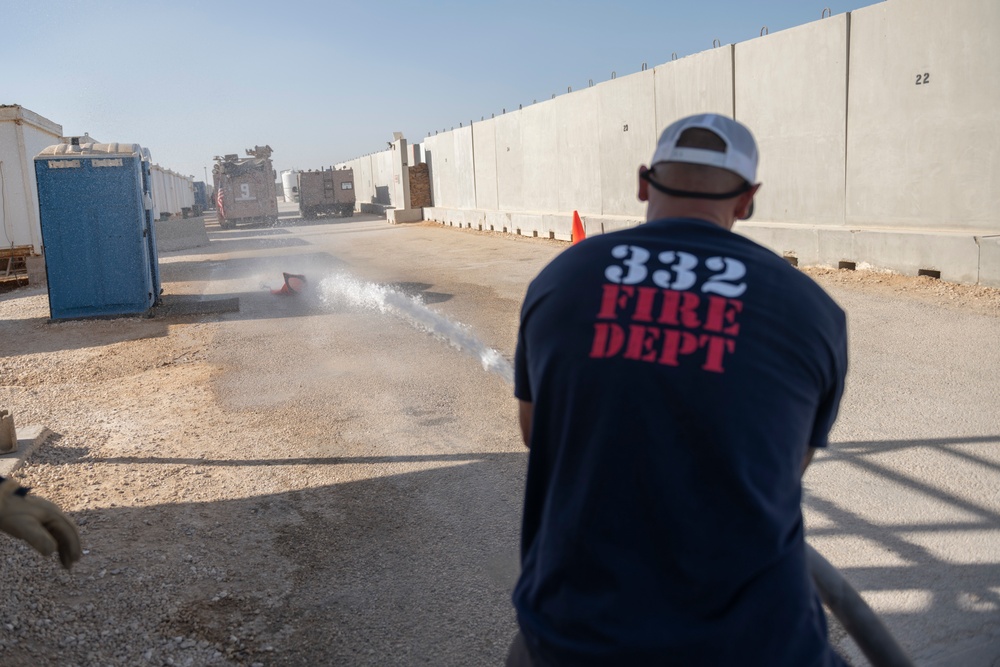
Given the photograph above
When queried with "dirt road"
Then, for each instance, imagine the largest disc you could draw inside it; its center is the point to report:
(308, 481)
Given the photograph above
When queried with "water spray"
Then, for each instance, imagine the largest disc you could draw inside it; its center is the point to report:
(342, 288)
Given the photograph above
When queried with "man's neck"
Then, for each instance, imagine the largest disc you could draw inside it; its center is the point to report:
(698, 209)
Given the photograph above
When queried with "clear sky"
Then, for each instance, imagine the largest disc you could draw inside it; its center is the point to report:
(324, 82)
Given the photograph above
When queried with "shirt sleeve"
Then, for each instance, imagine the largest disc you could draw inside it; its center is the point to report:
(522, 387)
(826, 414)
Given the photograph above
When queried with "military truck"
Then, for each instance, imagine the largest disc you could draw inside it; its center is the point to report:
(326, 192)
(245, 188)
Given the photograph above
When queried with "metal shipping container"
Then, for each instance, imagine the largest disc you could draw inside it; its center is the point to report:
(95, 204)
(325, 192)
(22, 135)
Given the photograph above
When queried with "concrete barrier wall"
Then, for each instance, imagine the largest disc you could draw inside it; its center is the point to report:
(576, 178)
(364, 184)
(791, 90)
(924, 140)
(540, 175)
(510, 162)
(367, 172)
(180, 234)
(171, 192)
(877, 131)
(461, 163)
(484, 149)
(628, 134)
(699, 83)
(382, 177)
(439, 148)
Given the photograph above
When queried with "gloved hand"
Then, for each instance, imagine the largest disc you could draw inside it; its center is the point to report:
(39, 523)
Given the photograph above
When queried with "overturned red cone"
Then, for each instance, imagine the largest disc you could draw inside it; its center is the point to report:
(294, 284)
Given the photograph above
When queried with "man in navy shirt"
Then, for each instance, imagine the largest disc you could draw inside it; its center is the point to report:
(674, 380)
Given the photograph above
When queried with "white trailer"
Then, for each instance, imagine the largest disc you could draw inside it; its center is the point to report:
(23, 135)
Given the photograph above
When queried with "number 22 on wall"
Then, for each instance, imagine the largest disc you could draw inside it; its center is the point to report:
(923, 79)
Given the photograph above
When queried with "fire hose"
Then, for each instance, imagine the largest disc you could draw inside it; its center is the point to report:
(858, 619)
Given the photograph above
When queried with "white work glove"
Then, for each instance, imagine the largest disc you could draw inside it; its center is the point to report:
(38, 522)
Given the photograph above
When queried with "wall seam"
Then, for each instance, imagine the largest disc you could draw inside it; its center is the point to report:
(732, 61)
(496, 164)
(475, 181)
(847, 109)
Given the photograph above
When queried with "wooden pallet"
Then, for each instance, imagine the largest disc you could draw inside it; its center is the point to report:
(14, 263)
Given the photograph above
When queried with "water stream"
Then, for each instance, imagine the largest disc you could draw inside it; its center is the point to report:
(343, 288)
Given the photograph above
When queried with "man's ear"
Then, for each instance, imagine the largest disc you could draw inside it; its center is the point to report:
(745, 203)
(643, 185)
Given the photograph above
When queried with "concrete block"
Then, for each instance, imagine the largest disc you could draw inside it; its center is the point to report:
(29, 438)
(526, 224)
(498, 221)
(989, 260)
(435, 214)
(395, 216)
(602, 224)
(786, 240)
(8, 434)
(956, 256)
(180, 234)
(834, 246)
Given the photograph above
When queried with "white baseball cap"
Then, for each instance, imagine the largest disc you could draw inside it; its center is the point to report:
(740, 156)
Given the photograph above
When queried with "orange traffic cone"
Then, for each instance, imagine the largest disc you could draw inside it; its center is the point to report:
(294, 284)
(578, 233)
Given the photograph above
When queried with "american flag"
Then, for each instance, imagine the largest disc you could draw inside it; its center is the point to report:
(219, 202)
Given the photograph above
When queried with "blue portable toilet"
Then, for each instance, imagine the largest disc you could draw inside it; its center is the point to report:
(95, 205)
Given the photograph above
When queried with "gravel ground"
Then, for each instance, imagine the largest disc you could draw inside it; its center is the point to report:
(201, 458)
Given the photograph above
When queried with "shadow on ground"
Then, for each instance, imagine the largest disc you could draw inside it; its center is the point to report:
(920, 556)
(405, 567)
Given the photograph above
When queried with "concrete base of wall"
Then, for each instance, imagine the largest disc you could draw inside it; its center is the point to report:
(180, 234)
(959, 257)
(395, 216)
(557, 226)
(989, 260)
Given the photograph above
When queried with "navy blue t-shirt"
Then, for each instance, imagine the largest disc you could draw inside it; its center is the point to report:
(678, 373)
